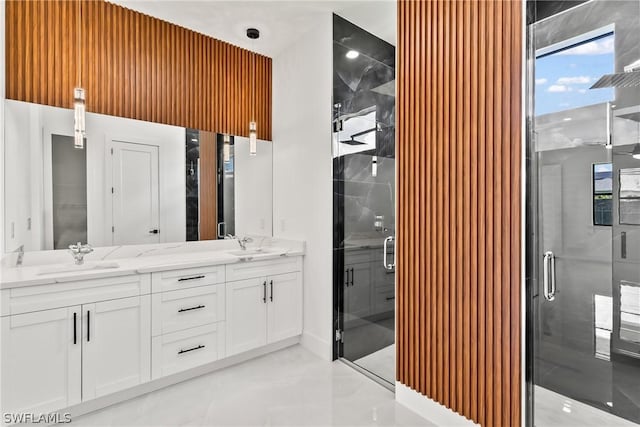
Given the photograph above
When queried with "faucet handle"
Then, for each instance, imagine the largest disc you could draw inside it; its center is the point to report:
(86, 249)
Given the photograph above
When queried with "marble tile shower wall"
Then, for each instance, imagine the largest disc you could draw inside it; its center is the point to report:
(362, 84)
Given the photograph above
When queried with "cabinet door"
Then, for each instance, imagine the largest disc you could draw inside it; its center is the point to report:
(116, 345)
(284, 308)
(358, 292)
(246, 315)
(40, 362)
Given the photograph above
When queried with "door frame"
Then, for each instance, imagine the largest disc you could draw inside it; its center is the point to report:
(108, 202)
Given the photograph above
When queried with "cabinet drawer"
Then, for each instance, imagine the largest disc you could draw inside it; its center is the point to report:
(252, 269)
(187, 308)
(186, 278)
(187, 349)
(43, 297)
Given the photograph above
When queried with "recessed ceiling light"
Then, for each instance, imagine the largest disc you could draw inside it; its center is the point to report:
(352, 54)
(567, 119)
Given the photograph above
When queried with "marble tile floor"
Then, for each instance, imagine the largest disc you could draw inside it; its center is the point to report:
(382, 363)
(555, 410)
(291, 387)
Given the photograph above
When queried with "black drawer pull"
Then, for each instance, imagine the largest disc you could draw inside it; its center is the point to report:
(182, 310)
(190, 278)
(191, 349)
(390, 298)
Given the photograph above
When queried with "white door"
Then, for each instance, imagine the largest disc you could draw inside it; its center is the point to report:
(41, 361)
(116, 345)
(284, 312)
(246, 315)
(135, 194)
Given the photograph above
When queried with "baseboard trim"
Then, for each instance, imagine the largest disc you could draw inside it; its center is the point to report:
(137, 391)
(317, 346)
(429, 409)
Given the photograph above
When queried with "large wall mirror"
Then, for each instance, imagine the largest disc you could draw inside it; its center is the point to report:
(134, 182)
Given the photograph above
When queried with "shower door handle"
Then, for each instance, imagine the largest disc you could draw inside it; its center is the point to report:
(385, 255)
(549, 276)
(220, 230)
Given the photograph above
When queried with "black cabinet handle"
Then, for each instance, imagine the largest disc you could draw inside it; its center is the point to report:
(271, 296)
(623, 245)
(183, 279)
(346, 283)
(75, 328)
(182, 310)
(191, 349)
(264, 292)
(154, 231)
(390, 298)
(352, 276)
(88, 325)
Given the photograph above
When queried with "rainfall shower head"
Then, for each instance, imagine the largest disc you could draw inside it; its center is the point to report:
(629, 78)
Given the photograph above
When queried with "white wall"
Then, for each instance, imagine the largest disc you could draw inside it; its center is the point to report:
(27, 193)
(302, 170)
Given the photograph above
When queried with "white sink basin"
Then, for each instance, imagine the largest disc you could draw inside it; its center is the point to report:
(251, 253)
(72, 268)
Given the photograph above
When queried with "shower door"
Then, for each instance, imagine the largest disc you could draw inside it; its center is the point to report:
(584, 215)
(364, 200)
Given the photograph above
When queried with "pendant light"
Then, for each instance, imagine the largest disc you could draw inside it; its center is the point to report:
(253, 34)
(79, 109)
(226, 149)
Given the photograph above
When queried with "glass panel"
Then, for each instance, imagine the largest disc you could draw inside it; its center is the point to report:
(584, 247)
(364, 197)
(69, 192)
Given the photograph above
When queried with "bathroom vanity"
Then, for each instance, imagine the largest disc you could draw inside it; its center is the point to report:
(82, 337)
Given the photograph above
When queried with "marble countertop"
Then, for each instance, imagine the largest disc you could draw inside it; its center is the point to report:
(58, 267)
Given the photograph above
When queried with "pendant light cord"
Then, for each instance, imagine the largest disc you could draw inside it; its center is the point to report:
(79, 38)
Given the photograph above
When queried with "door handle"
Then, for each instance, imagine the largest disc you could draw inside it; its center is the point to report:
(549, 276)
(88, 325)
(220, 230)
(623, 245)
(154, 231)
(352, 275)
(271, 284)
(385, 254)
(264, 292)
(347, 281)
(75, 328)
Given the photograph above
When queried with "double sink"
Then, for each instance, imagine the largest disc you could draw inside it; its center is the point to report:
(242, 255)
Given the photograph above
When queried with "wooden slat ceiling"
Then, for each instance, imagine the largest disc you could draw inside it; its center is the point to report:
(458, 125)
(133, 66)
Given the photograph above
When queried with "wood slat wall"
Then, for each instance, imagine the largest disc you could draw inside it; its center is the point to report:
(134, 66)
(458, 125)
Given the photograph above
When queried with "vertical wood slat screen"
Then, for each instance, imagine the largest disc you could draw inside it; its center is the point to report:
(458, 124)
(134, 66)
(208, 186)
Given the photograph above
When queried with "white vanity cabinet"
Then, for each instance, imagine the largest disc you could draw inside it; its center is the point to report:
(41, 361)
(76, 346)
(73, 341)
(265, 309)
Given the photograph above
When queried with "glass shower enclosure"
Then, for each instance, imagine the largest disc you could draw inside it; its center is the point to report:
(583, 222)
(364, 200)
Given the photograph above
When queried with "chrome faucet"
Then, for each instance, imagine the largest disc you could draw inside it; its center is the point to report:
(78, 251)
(20, 257)
(242, 242)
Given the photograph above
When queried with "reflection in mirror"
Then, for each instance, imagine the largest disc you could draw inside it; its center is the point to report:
(128, 185)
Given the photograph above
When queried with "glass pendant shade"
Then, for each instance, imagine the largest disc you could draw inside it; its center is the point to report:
(253, 139)
(79, 112)
(226, 149)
